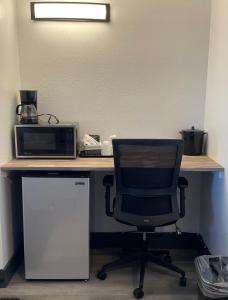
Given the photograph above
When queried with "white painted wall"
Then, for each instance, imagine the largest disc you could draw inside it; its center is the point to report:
(142, 75)
(214, 221)
(9, 84)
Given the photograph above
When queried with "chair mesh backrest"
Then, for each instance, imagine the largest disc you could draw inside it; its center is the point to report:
(147, 172)
(147, 166)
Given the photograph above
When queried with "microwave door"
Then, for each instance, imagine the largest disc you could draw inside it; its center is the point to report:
(45, 142)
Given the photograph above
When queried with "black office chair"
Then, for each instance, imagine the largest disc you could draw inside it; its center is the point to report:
(147, 177)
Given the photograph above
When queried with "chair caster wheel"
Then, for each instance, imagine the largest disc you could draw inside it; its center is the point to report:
(168, 259)
(101, 275)
(138, 293)
(183, 281)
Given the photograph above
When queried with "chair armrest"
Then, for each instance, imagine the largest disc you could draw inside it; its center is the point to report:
(108, 183)
(182, 182)
(108, 180)
(182, 185)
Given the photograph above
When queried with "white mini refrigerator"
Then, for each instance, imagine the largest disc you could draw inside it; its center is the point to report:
(56, 226)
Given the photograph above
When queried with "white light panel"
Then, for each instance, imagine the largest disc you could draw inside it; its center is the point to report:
(70, 11)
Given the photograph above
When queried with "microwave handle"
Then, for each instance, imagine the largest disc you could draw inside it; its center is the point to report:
(17, 109)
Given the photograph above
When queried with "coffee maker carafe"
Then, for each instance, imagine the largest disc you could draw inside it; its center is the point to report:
(27, 110)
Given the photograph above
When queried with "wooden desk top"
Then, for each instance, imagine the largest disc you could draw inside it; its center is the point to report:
(189, 163)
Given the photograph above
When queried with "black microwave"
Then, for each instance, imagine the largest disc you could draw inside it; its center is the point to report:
(46, 141)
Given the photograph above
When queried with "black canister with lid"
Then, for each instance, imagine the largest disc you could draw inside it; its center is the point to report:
(193, 141)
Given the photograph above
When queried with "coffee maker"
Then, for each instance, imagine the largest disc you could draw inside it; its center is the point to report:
(27, 110)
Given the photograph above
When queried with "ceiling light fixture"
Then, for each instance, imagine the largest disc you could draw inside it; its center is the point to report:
(70, 11)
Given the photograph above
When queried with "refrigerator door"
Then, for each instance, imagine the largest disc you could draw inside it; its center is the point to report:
(56, 227)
